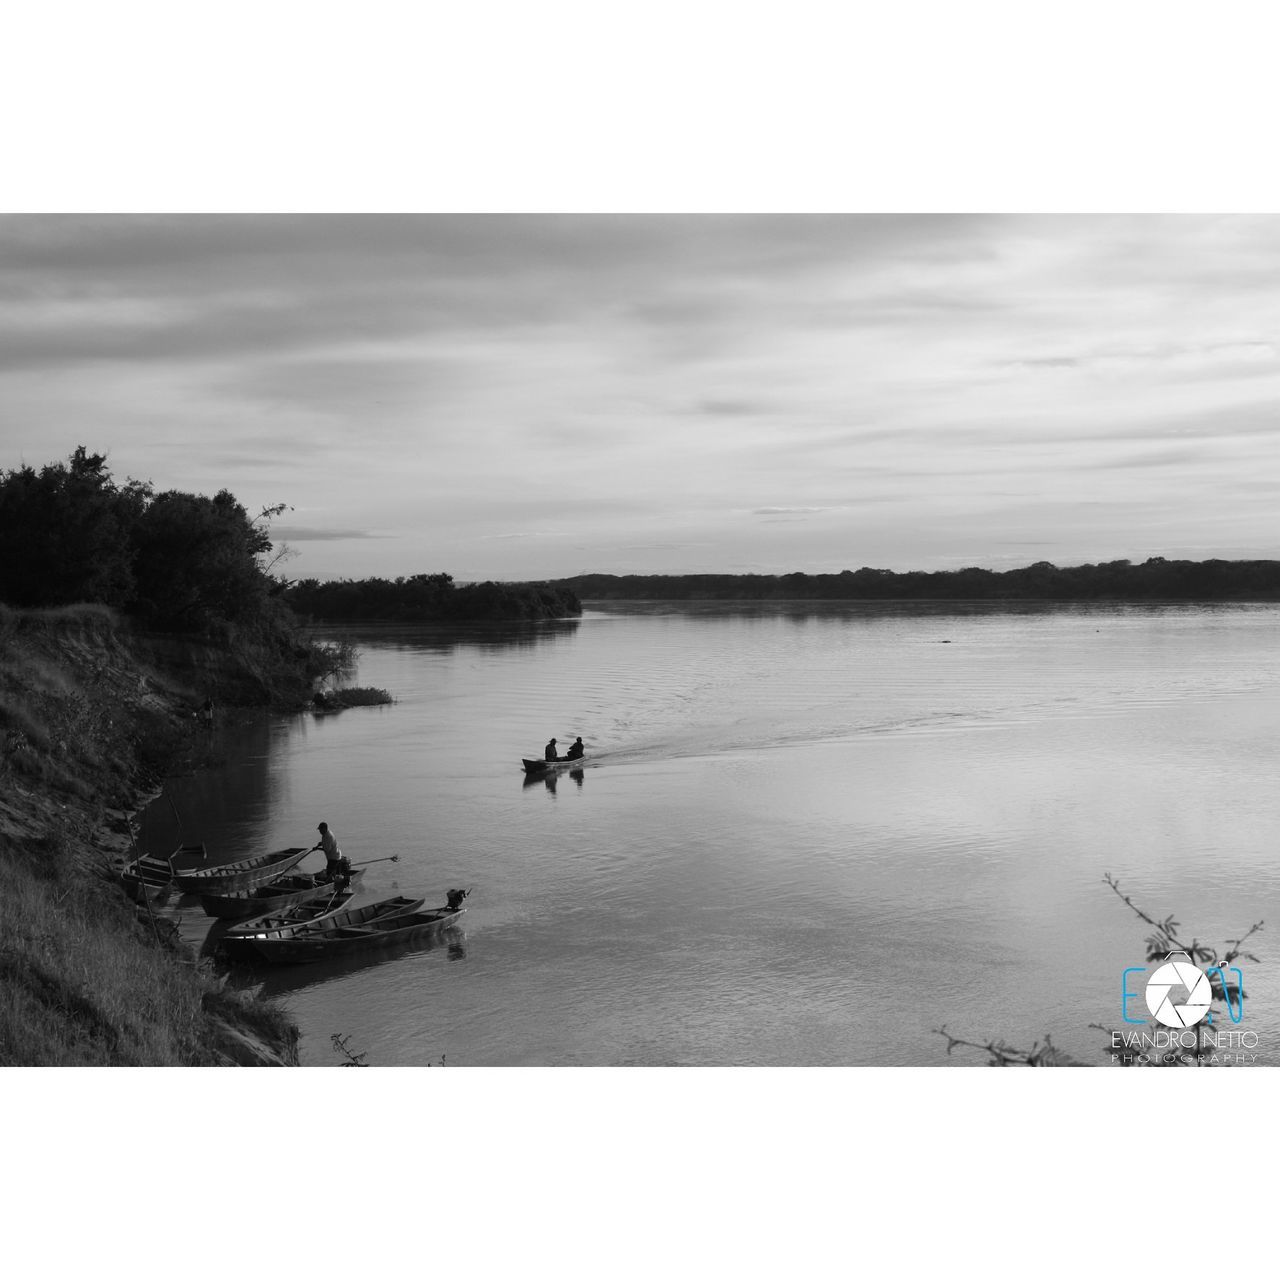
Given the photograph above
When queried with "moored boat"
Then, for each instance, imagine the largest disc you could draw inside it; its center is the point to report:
(277, 896)
(240, 941)
(148, 875)
(350, 931)
(244, 873)
(296, 916)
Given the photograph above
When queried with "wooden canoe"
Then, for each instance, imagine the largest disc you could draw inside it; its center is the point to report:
(271, 899)
(149, 875)
(294, 917)
(332, 938)
(542, 766)
(245, 873)
(242, 941)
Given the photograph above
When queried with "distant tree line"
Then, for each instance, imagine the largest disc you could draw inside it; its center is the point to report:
(429, 597)
(1155, 579)
(69, 534)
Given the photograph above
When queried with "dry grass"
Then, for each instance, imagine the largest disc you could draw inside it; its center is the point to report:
(81, 984)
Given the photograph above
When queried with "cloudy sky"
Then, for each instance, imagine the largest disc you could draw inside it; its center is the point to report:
(528, 396)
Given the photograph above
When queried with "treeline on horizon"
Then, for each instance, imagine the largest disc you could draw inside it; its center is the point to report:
(429, 597)
(183, 562)
(1155, 579)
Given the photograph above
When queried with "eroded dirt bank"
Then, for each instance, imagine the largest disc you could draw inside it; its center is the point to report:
(92, 717)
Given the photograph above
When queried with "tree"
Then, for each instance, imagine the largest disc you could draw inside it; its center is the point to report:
(197, 562)
(66, 533)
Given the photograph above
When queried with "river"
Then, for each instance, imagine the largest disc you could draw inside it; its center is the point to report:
(805, 834)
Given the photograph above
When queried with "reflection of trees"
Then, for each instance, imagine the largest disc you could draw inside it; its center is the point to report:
(488, 637)
(1154, 579)
(222, 806)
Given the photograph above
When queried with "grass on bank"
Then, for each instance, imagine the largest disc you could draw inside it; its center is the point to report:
(84, 979)
(85, 983)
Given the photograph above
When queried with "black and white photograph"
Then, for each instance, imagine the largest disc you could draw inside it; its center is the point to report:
(640, 640)
(636, 598)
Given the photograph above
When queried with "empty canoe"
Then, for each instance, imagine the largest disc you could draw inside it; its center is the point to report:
(271, 899)
(243, 941)
(325, 939)
(245, 873)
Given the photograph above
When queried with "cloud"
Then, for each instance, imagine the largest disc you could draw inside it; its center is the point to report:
(787, 511)
(496, 388)
(303, 533)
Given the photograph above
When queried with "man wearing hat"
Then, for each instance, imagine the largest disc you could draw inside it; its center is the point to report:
(550, 752)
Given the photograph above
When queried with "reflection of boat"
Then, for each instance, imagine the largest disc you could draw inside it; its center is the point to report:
(550, 766)
(148, 876)
(246, 941)
(275, 897)
(351, 931)
(272, 981)
(549, 777)
(245, 873)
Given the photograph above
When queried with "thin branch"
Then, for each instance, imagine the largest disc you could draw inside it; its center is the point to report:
(1004, 1055)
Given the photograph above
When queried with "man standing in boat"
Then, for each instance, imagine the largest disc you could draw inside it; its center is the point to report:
(332, 854)
(550, 752)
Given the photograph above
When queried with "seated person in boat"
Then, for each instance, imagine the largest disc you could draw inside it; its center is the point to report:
(550, 752)
(577, 751)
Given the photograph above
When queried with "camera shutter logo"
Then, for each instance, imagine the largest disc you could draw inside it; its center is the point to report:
(1168, 981)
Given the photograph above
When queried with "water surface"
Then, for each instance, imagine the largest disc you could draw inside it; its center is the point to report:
(805, 834)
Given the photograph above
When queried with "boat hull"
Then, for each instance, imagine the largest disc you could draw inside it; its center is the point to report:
(241, 941)
(274, 898)
(546, 766)
(345, 940)
(247, 873)
(148, 876)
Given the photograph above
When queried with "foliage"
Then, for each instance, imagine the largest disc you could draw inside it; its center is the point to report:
(195, 562)
(1156, 579)
(1004, 1055)
(1165, 939)
(179, 561)
(355, 696)
(332, 657)
(340, 1043)
(66, 533)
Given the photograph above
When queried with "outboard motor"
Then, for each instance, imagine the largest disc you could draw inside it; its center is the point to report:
(455, 898)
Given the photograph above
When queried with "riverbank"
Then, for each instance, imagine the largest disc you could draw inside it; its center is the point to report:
(93, 715)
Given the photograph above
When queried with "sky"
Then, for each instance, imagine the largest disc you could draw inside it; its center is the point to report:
(527, 396)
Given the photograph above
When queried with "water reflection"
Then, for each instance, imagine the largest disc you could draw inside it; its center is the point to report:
(549, 780)
(779, 808)
(271, 980)
(221, 807)
(866, 610)
(487, 637)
